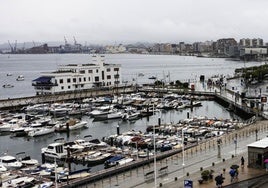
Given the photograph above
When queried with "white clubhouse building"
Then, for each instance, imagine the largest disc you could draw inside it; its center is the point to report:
(77, 77)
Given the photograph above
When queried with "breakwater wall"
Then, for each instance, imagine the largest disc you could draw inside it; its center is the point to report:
(15, 103)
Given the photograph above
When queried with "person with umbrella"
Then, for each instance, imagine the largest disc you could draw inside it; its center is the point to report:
(219, 180)
(234, 172)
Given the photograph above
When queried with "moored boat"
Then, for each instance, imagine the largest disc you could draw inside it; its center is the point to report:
(20, 78)
(97, 157)
(41, 131)
(55, 150)
(10, 162)
(112, 161)
(26, 160)
(72, 124)
(8, 86)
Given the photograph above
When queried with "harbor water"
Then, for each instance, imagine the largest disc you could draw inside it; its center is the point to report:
(164, 67)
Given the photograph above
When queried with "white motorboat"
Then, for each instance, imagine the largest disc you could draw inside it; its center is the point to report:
(8, 86)
(26, 160)
(78, 125)
(112, 114)
(131, 115)
(18, 131)
(20, 78)
(55, 150)
(97, 157)
(41, 131)
(125, 161)
(13, 123)
(10, 162)
(74, 124)
(2, 168)
(73, 147)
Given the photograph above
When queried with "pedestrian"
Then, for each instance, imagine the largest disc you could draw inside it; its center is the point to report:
(232, 174)
(219, 180)
(242, 162)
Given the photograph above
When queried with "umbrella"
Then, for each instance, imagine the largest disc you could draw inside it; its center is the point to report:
(219, 178)
(266, 161)
(234, 166)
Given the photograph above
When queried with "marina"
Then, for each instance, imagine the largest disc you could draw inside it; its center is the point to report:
(83, 154)
(177, 120)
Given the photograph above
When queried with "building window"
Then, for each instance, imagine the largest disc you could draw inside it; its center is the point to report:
(62, 87)
(80, 79)
(61, 81)
(108, 77)
(88, 78)
(82, 72)
(74, 80)
(108, 70)
(69, 87)
(97, 79)
(97, 70)
(68, 80)
(76, 86)
(116, 69)
(82, 85)
(102, 75)
(85, 79)
(90, 71)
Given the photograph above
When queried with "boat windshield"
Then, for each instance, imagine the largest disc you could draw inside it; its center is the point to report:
(9, 161)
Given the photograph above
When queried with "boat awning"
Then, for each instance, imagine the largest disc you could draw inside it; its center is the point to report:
(42, 79)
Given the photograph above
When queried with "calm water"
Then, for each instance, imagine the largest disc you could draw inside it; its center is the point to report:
(179, 68)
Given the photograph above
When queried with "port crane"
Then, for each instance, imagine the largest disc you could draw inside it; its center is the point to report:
(13, 49)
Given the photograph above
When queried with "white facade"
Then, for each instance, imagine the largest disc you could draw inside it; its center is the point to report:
(77, 77)
(253, 51)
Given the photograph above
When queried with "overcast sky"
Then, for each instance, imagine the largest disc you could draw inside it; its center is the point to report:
(121, 21)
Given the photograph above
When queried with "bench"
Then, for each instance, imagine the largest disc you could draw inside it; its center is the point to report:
(149, 175)
(163, 170)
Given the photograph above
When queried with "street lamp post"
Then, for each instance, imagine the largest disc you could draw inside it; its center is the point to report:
(235, 142)
(256, 131)
(182, 148)
(219, 147)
